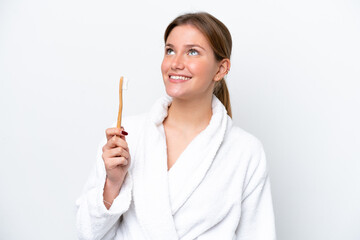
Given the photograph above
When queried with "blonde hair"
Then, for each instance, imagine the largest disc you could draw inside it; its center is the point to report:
(220, 40)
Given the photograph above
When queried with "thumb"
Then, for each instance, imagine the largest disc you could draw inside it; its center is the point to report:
(123, 133)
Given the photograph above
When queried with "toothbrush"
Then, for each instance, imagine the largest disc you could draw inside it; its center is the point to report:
(122, 86)
(120, 102)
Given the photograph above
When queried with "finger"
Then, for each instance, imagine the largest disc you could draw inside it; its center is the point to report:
(110, 132)
(111, 163)
(116, 152)
(123, 134)
(115, 142)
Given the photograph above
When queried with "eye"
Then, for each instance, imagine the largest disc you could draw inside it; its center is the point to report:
(169, 51)
(193, 52)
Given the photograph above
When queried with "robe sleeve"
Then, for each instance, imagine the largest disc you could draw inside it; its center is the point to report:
(257, 216)
(93, 220)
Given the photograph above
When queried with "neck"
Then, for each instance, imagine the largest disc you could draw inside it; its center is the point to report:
(190, 115)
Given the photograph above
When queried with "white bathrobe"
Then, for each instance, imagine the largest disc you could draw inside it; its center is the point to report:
(217, 189)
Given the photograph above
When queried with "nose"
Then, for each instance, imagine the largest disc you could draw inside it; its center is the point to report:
(177, 62)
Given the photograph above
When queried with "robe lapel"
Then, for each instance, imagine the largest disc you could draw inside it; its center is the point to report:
(151, 195)
(159, 194)
(191, 167)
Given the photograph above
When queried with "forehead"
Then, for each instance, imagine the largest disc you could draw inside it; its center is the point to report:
(187, 34)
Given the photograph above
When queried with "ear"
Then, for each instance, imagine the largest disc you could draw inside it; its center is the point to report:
(223, 69)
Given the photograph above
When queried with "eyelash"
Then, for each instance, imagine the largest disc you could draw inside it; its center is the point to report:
(167, 51)
(191, 50)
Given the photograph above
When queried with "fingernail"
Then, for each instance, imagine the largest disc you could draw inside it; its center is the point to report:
(124, 133)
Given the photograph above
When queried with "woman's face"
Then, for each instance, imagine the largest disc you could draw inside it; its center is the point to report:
(189, 66)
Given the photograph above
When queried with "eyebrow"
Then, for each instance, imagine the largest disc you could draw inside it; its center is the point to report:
(187, 45)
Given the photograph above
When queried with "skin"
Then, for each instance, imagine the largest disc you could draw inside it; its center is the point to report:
(117, 161)
(187, 53)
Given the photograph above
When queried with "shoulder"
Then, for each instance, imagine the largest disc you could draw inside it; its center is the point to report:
(134, 125)
(245, 149)
(134, 121)
(131, 123)
(240, 138)
(245, 154)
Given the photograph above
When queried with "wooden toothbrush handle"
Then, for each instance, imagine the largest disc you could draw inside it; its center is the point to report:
(120, 103)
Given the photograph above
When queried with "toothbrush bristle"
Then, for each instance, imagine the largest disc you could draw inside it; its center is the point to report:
(125, 83)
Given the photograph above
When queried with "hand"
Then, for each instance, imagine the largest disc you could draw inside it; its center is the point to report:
(116, 157)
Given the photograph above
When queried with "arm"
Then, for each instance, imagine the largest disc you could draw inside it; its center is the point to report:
(96, 220)
(257, 217)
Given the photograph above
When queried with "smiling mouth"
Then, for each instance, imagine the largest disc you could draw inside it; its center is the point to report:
(178, 78)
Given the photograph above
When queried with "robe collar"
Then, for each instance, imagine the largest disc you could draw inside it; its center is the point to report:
(159, 193)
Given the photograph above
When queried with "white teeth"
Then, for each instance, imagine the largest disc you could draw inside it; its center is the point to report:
(180, 77)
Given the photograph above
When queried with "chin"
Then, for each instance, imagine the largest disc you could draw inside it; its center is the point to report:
(175, 94)
(184, 93)
(174, 91)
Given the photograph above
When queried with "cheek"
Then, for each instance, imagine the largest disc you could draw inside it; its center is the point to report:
(164, 66)
(196, 67)
(201, 68)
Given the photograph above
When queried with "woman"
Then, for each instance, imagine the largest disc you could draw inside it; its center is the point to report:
(184, 171)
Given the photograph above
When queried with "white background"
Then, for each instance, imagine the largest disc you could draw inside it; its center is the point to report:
(294, 83)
